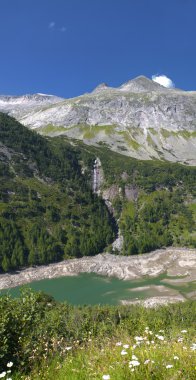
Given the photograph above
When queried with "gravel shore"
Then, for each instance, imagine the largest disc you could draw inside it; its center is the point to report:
(178, 262)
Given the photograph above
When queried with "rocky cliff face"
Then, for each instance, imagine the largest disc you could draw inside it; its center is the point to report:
(141, 119)
(19, 106)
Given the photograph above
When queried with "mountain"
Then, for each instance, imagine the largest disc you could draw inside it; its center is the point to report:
(50, 210)
(141, 119)
(47, 209)
(18, 106)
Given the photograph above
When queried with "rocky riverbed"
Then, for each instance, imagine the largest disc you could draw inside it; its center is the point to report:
(177, 263)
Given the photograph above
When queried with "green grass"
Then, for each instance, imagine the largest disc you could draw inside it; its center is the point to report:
(151, 141)
(192, 208)
(94, 358)
(185, 134)
(91, 131)
(50, 128)
(153, 131)
(131, 142)
(58, 341)
(129, 210)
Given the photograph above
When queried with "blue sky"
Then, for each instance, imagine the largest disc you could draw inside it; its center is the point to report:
(67, 47)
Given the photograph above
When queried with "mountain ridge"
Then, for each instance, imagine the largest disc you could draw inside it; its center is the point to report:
(140, 118)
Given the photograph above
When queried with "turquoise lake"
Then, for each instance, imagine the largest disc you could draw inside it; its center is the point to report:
(92, 289)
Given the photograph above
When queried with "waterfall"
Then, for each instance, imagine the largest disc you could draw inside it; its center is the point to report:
(97, 176)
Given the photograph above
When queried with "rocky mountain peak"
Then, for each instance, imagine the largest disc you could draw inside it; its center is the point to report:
(140, 118)
(141, 84)
(100, 87)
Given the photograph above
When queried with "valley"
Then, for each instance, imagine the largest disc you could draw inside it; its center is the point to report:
(72, 193)
(97, 190)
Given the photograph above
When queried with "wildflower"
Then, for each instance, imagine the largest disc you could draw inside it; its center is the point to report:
(147, 361)
(162, 331)
(106, 377)
(132, 369)
(176, 358)
(2, 374)
(9, 365)
(152, 341)
(193, 347)
(139, 338)
(184, 348)
(126, 345)
(119, 344)
(134, 357)
(123, 352)
(134, 363)
(147, 328)
(169, 366)
(134, 346)
(68, 348)
(9, 378)
(183, 331)
(160, 337)
(180, 339)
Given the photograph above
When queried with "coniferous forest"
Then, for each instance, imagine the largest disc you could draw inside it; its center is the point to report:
(48, 211)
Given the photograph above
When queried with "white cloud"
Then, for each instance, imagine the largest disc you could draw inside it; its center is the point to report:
(52, 25)
(163, 80)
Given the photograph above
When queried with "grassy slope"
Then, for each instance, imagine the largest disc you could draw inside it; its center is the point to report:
(95, 360)
(67, 342)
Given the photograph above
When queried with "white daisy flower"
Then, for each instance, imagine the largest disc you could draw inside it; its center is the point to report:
(160, 337)
(123, 352)
(9, 365)
(139, 338)
(134, 363)
(147, 361)
(193, 347)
